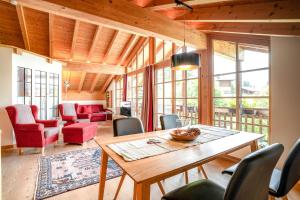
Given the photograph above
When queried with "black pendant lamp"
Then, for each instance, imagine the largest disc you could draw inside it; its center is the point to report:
(185, 60)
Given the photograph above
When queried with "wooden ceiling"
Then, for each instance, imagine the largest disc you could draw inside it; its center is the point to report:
(97, 37)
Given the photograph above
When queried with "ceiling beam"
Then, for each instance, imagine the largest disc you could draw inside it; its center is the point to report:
(94, 43)
(75, 34)
(107, 83)
(133, 52)
(109, 47)
(277, 11)
(22, 22)
(94, 68)
(167, 4)
(51, 35)
(121, 15)
(128, 46)
(94, 83)
(284, 29)
(82, 78)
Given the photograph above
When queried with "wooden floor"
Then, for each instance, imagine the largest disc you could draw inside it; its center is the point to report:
(19, 174)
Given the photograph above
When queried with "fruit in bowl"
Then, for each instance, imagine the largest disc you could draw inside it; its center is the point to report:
(185, 134)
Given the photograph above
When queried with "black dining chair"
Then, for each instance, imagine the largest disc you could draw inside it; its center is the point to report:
(169, 121)
(249, 182)
(129, 126)
(172, 121)
(282, 181)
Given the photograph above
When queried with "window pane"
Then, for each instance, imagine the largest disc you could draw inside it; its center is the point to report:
(225, 86)
(168, 106)
(159, 90)
(179, 75)
(159, 105)
(192, 88)
(21, 74)
(140, 60)
(250, 103)
(168, 50)
(255, 83)
(225, 102)
(140, 79)
(168, 90)
(140, 92)
(179, 107)
(192, 73)
(179, 89)
(253, 57)
(224, 57)
(167, 71)
(159, 76)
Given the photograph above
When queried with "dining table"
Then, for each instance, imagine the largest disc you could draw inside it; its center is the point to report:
(153, 169)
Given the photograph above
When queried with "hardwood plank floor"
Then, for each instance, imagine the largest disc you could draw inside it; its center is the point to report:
(19, 174)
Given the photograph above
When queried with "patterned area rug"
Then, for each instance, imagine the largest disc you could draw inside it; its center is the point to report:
(63, 172)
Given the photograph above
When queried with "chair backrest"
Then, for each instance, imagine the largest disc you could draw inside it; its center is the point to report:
(127, 126)
(69, 109)
(291, 171)
(169, 121)
(252, 176)
(20, 114)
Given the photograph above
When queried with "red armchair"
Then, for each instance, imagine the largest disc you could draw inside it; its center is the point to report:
(95, 111)
(29, 130)
(69, 114)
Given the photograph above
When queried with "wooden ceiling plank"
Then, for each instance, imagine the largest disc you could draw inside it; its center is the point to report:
(94, 83)
(22, 22)
(75, 34)
(133, 52)
(94, 43)
(277, 11)
(128, 46)
(286, 29)
(168, 4)
(107, 83)
(82, 78)
(109, 47)
(116, 15)
(51, 24)
(95, 68)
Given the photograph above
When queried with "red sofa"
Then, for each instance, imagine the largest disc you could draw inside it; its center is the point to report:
(29, 130)
(95, 111)
(69, 114)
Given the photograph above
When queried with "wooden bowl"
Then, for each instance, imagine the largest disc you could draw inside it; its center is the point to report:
(183, 135)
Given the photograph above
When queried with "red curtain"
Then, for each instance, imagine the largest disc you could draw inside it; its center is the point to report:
(124, 87)
(147, 109)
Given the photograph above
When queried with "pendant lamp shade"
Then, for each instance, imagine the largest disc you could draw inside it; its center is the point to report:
(185, 61)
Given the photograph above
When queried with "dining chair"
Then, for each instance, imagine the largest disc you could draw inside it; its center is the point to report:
(129, 126)
(282, 181)
(250, 180)
(172, 121)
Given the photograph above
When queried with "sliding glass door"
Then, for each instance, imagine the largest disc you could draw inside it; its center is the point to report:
(41, 93)
(241, 86)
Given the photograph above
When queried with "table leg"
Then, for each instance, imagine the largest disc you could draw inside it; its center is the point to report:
(143, 191)
(102, 179)
(254, 146)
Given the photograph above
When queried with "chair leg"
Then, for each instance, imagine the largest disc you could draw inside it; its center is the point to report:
(43, 150)
(285, 198)
(120, 185)
(20, 151)
(201, 169)
(186, 174)
(271, 197)
(161, 188)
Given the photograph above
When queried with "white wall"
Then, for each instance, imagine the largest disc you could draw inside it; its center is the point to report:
(6, 94)
(285, 92)
(9, 63)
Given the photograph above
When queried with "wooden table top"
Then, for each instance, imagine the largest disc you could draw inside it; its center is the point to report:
(158, 167)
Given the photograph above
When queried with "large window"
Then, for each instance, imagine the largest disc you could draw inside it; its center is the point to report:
(135, 93)
(241, 86)
(24, 86)
(119, 92)
(53, 98)
(41, 93)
